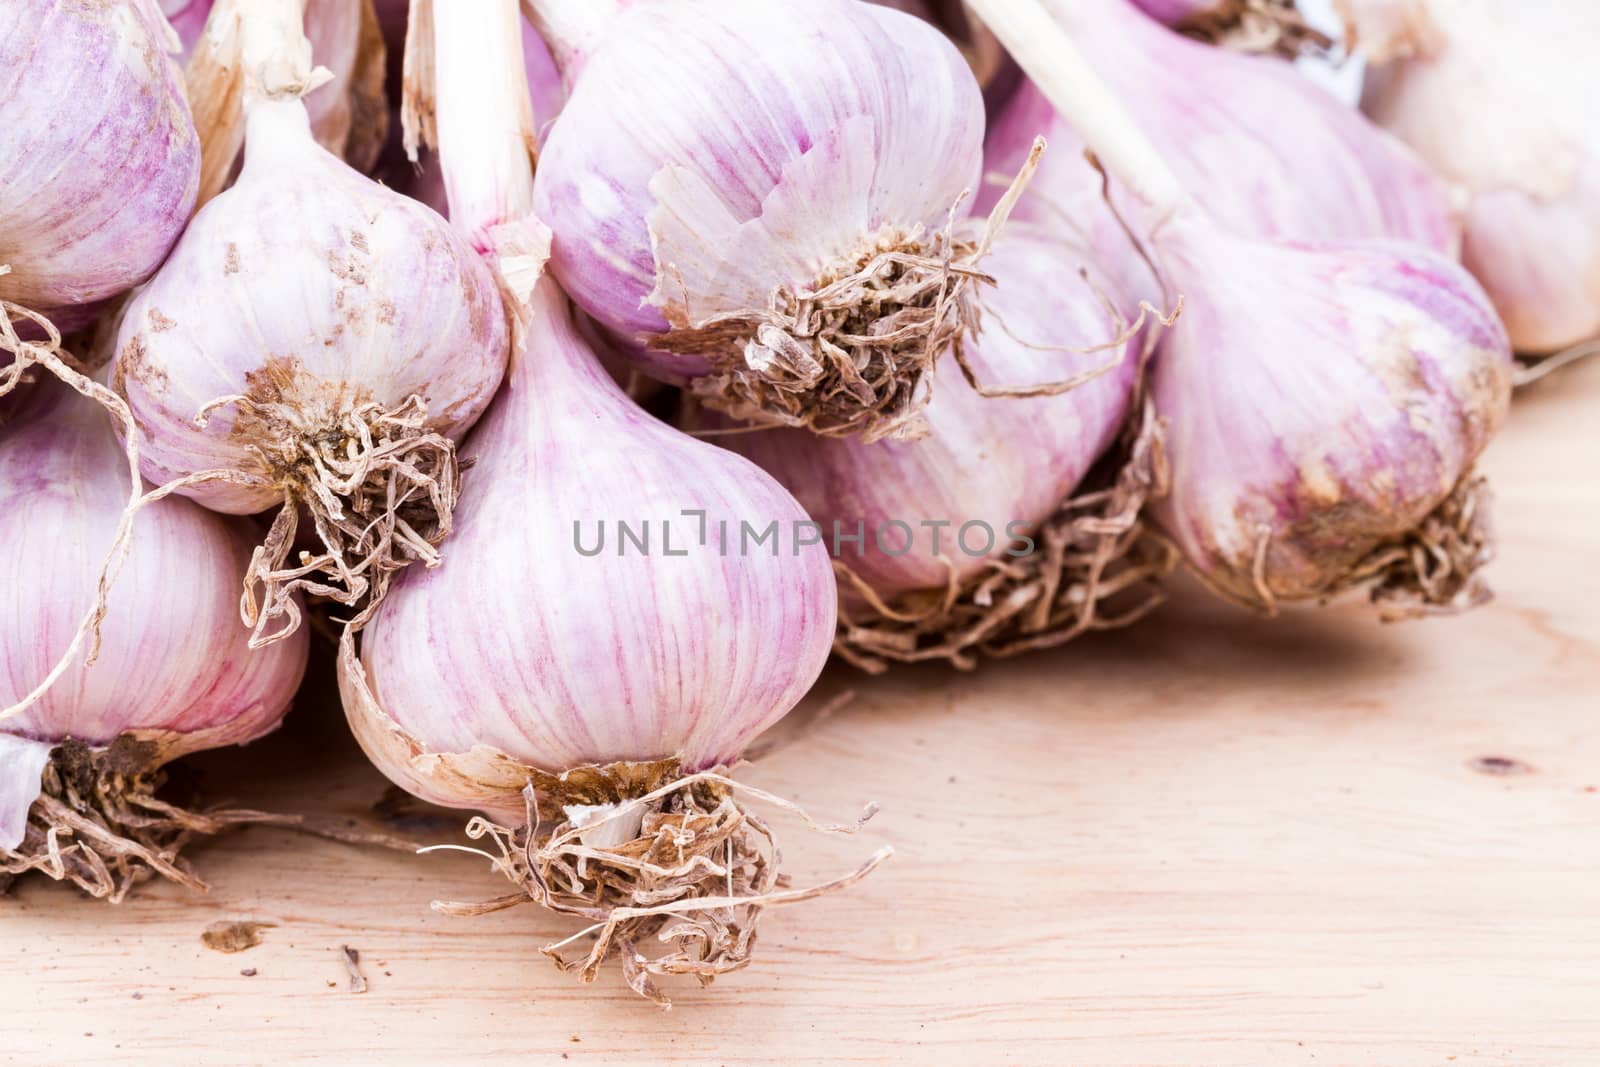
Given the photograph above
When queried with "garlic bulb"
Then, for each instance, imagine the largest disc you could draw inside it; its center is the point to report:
(98, 156)
(1264, 151)
(1344, 459)
(639, 657)
(772, 222)
(1325, 401)
(78, 767)
(315, 341)
(604, 632)
(1499, 97)
(967, 540)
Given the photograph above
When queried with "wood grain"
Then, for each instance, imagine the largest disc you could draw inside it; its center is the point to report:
(1213, 839)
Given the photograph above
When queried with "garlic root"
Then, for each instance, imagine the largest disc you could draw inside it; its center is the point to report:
(848, 356)
(1257, 27)
(98, 824)
(696, 877)
(380, 489)
(854, 354)
(1436, 569)
(1097, 567)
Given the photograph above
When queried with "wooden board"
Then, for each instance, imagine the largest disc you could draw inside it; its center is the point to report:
(1212, 839)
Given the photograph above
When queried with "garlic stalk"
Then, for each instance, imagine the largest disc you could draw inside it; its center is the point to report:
(349, 114)
(315, 342)
(467, 95)
(1264, 151)
(781, 221)
(1326, 402)
(980, 537)
(605, 637)
(1499, 97)
(79, 767)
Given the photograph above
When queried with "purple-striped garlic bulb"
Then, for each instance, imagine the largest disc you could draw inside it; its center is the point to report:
(1264, 151)
(975, 539)
(622, 612)
(1323, 437)
(80, 761)
(1325, 402)
(781, 221)
(315, 342)
(1499, 97)
(98, 157)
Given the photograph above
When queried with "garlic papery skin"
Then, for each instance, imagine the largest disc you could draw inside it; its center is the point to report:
(967, 540)
(1499, 97)
(782, 148)
(174, 674)
(1325, 402)
(1344, 459)
(314, 341)
(98, 155)
(574, 696)
(1264, 151)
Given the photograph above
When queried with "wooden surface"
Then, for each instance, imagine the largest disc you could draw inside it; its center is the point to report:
(1213, 839)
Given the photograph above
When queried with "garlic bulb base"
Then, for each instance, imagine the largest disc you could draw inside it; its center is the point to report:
(849, 355)
(694, 876)
(1093, 566)
(1255, 27)
(97, 822)
(380, 488)
(1435, 568)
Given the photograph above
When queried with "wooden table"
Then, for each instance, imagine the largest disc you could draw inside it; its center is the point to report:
(1213, 838)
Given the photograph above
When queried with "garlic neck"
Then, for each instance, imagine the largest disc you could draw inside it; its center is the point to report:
(275, 52)
(1043, 35)
(573, 29)
(484, 115)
